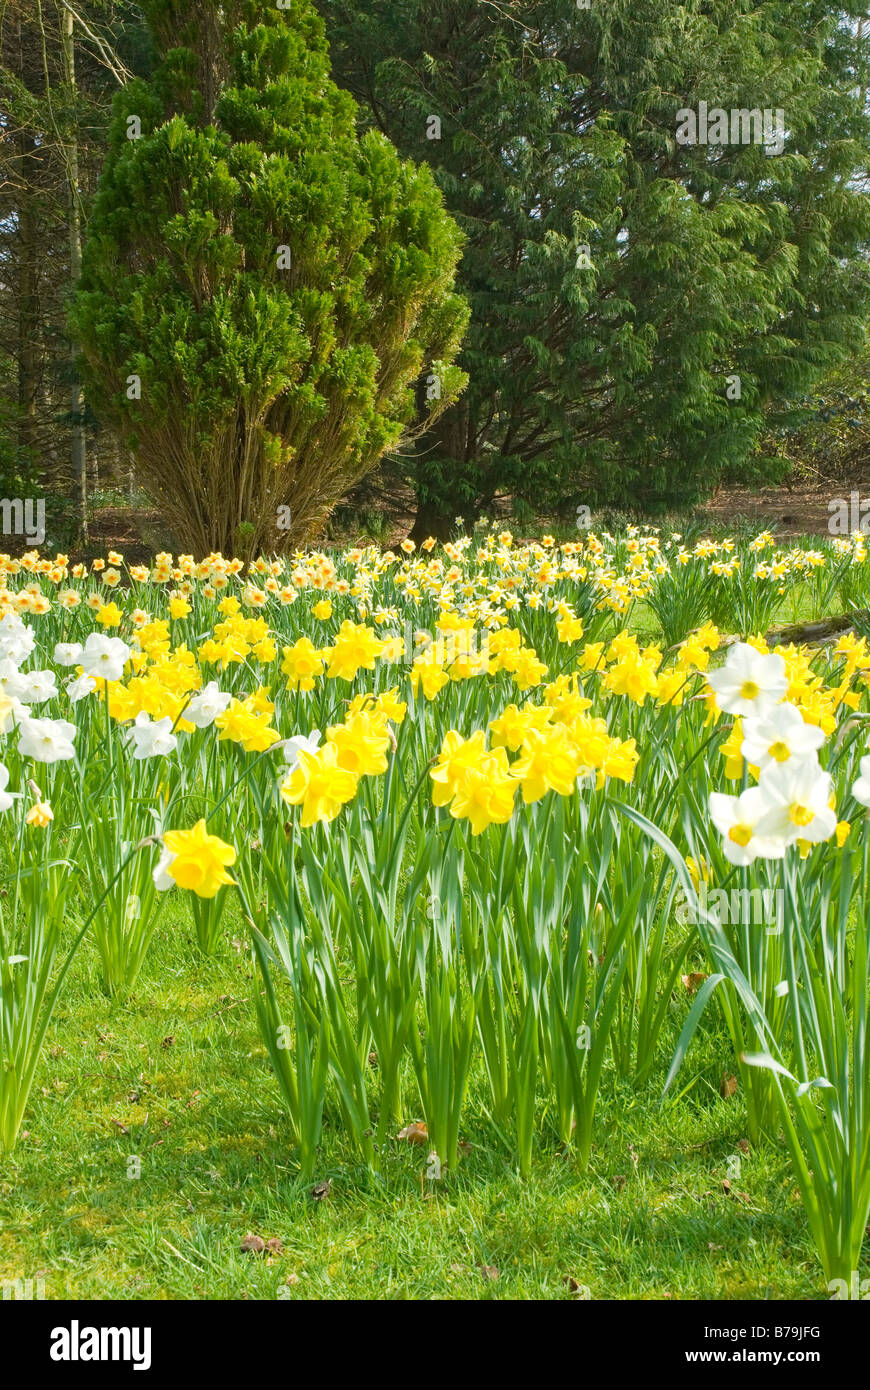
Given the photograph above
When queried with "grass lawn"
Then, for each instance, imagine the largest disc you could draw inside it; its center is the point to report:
(156, 1140)
(178, 1077)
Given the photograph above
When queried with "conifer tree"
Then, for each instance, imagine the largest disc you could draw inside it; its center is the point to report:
(264, 294)
(642, 309)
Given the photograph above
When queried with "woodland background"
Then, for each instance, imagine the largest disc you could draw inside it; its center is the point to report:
(554, 124)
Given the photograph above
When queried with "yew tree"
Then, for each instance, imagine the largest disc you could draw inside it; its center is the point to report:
(644, 311)
(266, 299)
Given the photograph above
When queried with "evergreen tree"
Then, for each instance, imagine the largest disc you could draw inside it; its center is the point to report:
(641, 308)
(261, 289)
(60, 66)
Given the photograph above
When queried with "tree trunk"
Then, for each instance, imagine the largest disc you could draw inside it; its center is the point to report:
(432, 520)
(28, 304)
(443, 458)
(79, 448)
(28, 327)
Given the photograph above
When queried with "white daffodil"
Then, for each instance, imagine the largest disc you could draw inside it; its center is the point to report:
(797, 802)
(35, 687)
(162, 879)
(11, 680)
(6, 798)
(79, 687)
(16, 639)
(750, 682)
(737, 820)
(104, 656)
(11, 711)
(861, 789)
(68, 653)
(780, 736)
(206, 705)
(306, 743)
(152, 738)
(47, 740)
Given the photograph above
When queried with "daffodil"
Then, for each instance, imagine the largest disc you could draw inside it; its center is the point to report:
(549, 762)
(355, 648)
(428, 675)
(319, 785)
(241, 723)
(458, 756)
(7, 799)
(302, 663)
(779, 736)
(485, 795)
(361, 744)
(737, 819)
(47, 740)
(796, 799)
(861, 788)
(749, 682)
(195, 860)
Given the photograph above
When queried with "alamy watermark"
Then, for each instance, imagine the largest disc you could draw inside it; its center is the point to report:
(712, 125)
(856, 1288)
(847, 518)
(24, 517)
(449, 646)
(23, 1290)
(76, 1343)
(758, 907)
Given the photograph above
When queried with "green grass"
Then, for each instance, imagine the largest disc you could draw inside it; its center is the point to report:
(181, 1067)
(178, 1077)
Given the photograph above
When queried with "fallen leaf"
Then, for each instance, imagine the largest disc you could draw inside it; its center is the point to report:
(253, 1244)
(415, 1133)
(693, 981)
(728, 1086)
(726, 1186)
(575, 1287)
